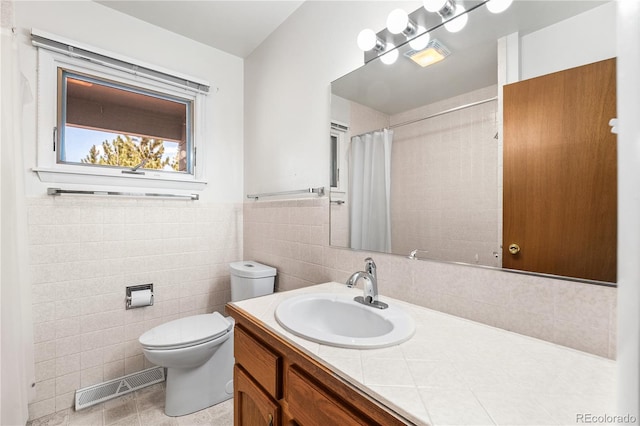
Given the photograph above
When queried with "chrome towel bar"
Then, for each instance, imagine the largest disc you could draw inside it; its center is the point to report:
(58, 191)
(319, 191)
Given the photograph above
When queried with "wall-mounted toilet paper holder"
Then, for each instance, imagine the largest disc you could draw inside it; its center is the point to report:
(138, 296)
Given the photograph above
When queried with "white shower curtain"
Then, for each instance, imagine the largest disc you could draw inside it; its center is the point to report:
(370, 191)
(16, 338)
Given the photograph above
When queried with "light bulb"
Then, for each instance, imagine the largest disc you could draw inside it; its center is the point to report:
(420, 42)
(390, 56)
(498, 6)
(397, 21)
(458, 21)
(434, 5)
(367, 39)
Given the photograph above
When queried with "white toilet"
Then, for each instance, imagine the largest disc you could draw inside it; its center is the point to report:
(197, 351)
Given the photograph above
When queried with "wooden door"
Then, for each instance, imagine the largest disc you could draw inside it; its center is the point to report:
(560, 184)
(252, 406)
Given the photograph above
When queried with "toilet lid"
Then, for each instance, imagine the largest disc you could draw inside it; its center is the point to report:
(187, 331)
(251, 269)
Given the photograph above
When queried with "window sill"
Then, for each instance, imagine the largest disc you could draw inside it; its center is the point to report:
(138, 181)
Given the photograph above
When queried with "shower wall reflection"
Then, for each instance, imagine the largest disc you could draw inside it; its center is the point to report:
(446, 179)
(446, 192)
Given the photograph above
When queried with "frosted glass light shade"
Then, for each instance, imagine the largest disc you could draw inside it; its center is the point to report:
(421, 41)
(498, 6)
(390, 56)
(397, 21)
(367, 39)
(458, 21)
(434, 5)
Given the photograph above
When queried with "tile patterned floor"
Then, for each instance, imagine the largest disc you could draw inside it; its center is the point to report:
(141, 408)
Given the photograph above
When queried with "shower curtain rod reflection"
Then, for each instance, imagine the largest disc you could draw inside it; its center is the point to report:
(447, 111)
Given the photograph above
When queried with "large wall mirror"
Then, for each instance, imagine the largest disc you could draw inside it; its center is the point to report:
(418, 152)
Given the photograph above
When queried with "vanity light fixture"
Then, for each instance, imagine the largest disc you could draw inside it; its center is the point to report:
(434, 52)
(444, 8)
(368, 40)
(390, 56)
(498, 6)
(458, 21)
(454, 18)
(452, 14)
(398, 22)
(421, 41)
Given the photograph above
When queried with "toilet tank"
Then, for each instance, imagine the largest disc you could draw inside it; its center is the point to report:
(251, 279)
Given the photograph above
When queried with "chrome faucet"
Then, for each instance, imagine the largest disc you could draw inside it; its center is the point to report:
(370, 278)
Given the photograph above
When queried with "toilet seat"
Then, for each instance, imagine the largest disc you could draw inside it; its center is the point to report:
(187, 331)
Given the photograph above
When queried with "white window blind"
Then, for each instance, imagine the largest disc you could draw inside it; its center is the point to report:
(78, 50)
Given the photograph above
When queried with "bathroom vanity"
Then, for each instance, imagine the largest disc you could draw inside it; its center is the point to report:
(452, 371)
(275, 382)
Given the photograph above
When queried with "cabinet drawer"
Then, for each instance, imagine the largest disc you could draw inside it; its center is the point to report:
(310, 404)
(260, 362)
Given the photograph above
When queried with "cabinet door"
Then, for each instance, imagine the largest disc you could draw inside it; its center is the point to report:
(560, 173)
(252, 406)
(259, 361)
(312, 405)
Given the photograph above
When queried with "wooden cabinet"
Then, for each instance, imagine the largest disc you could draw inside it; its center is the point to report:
(276, 383)
(252, 406)
(326, 409)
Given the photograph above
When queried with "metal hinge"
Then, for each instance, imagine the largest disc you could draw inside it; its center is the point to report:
(195, 157)
(55, 138)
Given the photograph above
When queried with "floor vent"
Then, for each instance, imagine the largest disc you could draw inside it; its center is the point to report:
(86, 397)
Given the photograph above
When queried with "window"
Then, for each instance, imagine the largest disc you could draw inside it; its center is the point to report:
(335, 170)
(103, 123)
(339, 157)
(104, 120)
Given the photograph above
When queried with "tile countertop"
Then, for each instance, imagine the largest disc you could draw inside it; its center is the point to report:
(456, 371)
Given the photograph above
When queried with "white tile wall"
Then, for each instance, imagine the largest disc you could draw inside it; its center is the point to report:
(445, 197)
(85, 251)
(293, 237)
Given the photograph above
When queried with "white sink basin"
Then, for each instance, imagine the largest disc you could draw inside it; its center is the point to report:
(337, 320)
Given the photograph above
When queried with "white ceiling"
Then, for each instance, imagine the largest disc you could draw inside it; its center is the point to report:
(236, 27)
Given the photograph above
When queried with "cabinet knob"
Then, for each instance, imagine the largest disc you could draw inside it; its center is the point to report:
(270, 419)
(514, 249)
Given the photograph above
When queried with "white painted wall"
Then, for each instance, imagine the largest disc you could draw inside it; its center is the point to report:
(340, 110)
(102, 27)
(580, 40)
(287, 91)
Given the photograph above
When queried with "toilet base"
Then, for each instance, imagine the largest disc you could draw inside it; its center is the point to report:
(193, 389)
